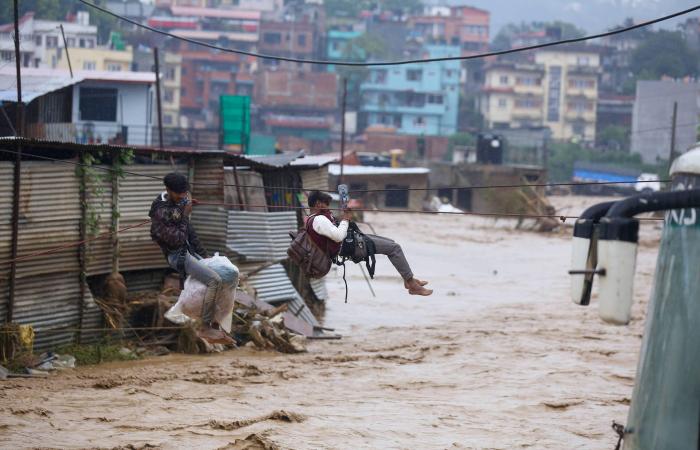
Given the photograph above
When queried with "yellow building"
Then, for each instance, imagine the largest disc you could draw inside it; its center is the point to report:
(571, 90)
(103, 59)
(171, 77)
(559, 91)
(513, 95)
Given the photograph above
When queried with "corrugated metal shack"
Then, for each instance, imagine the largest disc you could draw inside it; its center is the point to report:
(252, 227)
(60, 205)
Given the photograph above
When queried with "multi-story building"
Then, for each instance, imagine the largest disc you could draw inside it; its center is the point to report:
(99, 58)
(513, 95)
(257, 5)
(299, 104)
(571, 90)
(414, 98)
(559, 91)
(39, 37)
(207, 74)
(235, 28)
(462, 26)
(171, 80)
(653, 115)
(297, 31)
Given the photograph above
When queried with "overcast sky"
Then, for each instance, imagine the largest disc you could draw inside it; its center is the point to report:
(592, 15)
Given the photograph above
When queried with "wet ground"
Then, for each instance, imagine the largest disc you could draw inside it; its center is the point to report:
(497, 358)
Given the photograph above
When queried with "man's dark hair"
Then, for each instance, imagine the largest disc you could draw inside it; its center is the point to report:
(176, 182)
(318, 196)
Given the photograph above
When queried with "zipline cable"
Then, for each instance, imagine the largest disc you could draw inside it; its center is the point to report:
(393, 63)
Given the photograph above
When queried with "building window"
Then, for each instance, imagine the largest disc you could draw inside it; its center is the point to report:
(396, 196)
(51, 41)
(7, 55)
(168, 95)
(435, 99)
(114, 67)
(503, 80)
(169, 73)
(477, 30)
(167, 119)
(419, 121)
(583, 61)
(581, 83)
(502, 102)
(580, 106)
(272, 38)
(89, 65)
(380, 76)
(183, 71)
(528, 103)
(37, 39)
(71, 42)
(183, 92)
(99, 104)
(414, 74)
(301, 40)
(528, 81)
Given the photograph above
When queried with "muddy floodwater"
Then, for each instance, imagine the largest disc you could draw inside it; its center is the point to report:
(499, 358)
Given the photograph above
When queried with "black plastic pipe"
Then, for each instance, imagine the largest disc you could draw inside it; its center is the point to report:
(656, 201)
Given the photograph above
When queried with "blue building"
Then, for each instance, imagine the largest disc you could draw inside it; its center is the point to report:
(337, 42)
(417, 99)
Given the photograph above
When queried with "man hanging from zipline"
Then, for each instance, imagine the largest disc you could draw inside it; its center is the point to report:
(328, 234)
(172, 231)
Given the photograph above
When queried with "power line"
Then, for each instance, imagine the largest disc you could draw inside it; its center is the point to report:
(497, 186)
(393, 63)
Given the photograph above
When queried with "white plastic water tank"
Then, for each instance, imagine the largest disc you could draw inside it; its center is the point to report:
(616, 287)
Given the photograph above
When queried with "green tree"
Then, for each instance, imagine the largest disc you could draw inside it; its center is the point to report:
(362, 48)
(614, 137)
(664, 53)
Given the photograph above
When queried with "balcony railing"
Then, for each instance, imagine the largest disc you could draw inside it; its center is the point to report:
(115, 134)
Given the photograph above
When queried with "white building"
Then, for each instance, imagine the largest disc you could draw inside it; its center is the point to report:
(91, 107)
(39, 39)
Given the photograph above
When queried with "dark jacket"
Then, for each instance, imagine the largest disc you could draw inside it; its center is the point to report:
(171, 229)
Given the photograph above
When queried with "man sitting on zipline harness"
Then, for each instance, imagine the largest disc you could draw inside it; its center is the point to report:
(172, 231)
(327, 233)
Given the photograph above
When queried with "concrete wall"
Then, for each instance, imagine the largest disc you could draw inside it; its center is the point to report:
(378, 199)
(651, 119)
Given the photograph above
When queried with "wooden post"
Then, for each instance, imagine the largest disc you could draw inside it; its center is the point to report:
(115, 215)
(65, 46)
(672, 151)
(158, 101)
(17, 174)
(82, 250)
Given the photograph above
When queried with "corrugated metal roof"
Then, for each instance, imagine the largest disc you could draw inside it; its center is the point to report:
(334, 169)
(61, 145)
(38, 82)
(314, 161)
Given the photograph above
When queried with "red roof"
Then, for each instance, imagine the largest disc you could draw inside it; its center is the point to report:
(10, 27)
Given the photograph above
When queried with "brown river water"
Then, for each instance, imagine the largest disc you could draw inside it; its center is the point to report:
(497, 358)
